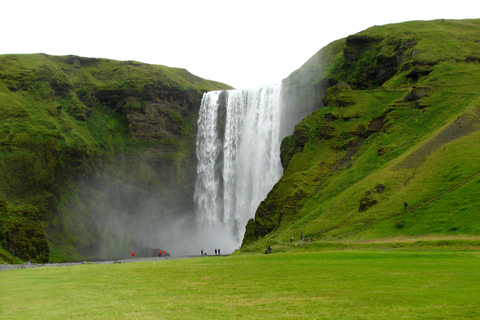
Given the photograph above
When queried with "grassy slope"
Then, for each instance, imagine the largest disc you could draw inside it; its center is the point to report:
(427, 153)
(307, 285)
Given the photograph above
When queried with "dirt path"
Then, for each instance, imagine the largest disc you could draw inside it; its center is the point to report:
(6, 266)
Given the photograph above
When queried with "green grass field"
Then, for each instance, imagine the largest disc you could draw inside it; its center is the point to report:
(388, 284)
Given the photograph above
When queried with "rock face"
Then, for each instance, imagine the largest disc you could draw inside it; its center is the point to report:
(70, 122)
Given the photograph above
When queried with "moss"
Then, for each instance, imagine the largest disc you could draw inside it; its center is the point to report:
(289, 147)
(338, 95)
(22, 234)
(249, 236)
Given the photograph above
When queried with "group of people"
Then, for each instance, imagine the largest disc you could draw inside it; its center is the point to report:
(160, 253)
(217, 252)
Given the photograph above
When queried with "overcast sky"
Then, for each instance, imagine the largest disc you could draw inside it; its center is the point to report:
(241, 43)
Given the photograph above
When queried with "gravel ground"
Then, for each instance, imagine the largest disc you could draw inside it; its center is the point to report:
(6, 266)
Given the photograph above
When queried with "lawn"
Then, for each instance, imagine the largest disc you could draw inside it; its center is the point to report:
(387, 284)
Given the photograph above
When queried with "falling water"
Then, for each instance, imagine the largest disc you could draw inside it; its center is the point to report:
(238, 151)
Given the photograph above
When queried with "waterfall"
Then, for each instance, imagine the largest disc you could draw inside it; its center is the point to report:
(238, 151)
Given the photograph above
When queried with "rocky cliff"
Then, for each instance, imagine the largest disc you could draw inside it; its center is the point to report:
(78, 134)
(398, 121)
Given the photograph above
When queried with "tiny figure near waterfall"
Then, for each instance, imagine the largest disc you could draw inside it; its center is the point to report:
(405, 205)
(215, 251)
(301, 235)
(160, 253)
(201, 252)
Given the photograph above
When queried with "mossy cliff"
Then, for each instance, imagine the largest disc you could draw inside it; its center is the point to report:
(22, 234)
(73, 129)
(398, 121)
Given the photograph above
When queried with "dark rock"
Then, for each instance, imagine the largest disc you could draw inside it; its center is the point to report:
(328, 131)
(380, 188)
(330, 117)
(366, 203)
(249, 235)
(81, 117)
(419, 71)
(288, 148)
(301, 136)
(327, 83)
(338, 95)
(376, 125)
(417, 94)
(472, 59)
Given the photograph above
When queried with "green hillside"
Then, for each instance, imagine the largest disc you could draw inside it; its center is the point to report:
(399, 121)
(73, 129)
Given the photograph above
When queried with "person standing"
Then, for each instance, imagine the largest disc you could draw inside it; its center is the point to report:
(215, 251)
(202, 252)
(301, 235)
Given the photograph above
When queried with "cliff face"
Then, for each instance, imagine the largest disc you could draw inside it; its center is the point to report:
(398, 121)
(73, 129)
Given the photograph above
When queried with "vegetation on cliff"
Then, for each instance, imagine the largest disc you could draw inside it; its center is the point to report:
(393, 149)
(22, 234)
(68, 121)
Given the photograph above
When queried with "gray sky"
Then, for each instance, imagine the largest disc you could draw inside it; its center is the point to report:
(241, 43)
